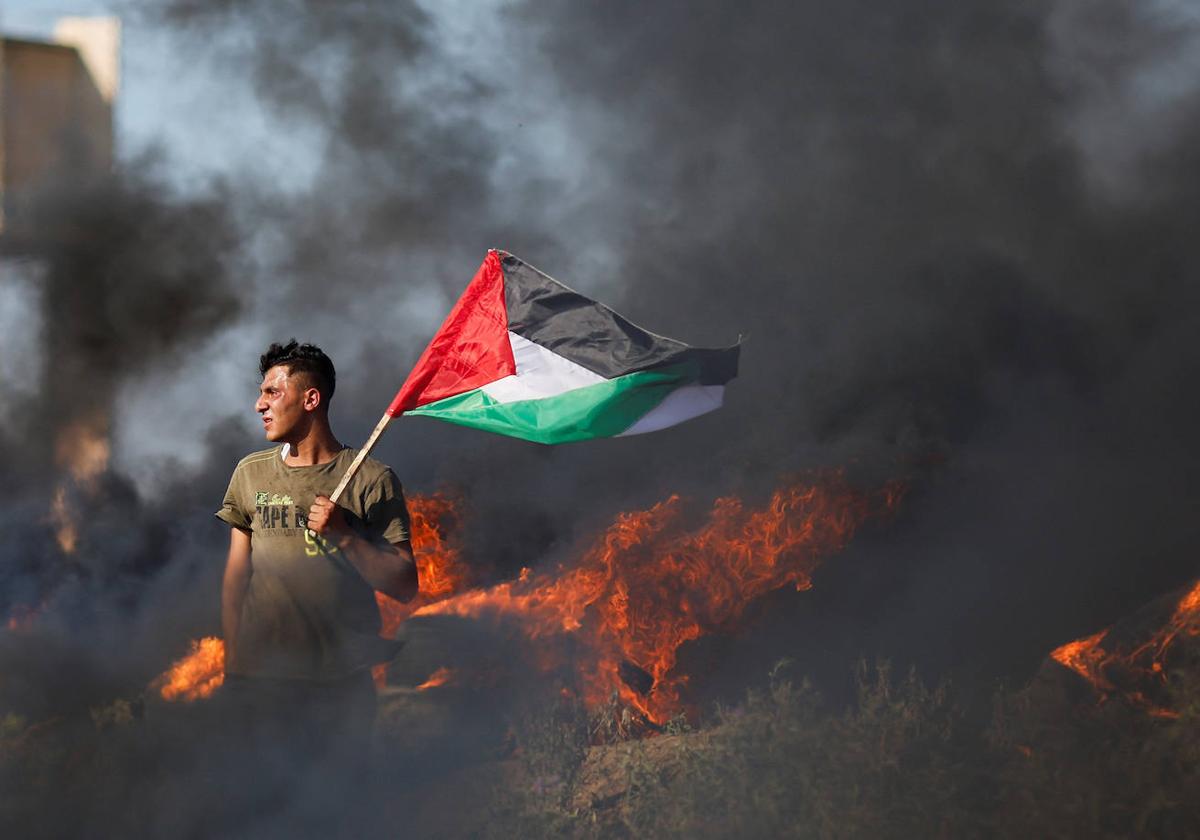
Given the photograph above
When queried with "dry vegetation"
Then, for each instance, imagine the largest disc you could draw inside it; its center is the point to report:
(902, 760)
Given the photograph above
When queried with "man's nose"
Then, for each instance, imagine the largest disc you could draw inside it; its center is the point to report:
(261, 405)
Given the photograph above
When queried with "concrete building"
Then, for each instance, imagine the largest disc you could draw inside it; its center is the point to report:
(56, 114)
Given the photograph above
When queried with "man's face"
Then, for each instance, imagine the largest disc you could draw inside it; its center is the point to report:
(283, 401)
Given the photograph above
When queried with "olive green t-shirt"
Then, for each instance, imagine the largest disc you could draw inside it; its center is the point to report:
(308, 613)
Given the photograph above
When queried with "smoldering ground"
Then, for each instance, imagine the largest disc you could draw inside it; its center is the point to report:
(958, 235)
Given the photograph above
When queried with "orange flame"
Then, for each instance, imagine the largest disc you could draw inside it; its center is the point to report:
(1084, 657)
(196, 675)
(82, 450)
(650, 584)
(21, 618)
(439, 677)
(66, 534)
(1088, 658)
(440, 568)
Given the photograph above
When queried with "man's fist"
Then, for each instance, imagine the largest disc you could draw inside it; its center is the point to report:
(326, 518)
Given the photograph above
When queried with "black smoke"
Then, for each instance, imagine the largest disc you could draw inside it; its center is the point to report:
(129, 277)
(954, 258)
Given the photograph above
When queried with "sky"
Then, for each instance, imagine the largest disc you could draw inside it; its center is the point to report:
(176, 104)
(166, 100)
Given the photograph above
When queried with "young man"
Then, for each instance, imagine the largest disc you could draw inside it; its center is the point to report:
(298, 603)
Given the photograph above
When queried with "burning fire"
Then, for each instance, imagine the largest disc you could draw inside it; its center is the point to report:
(82, 451)
(1084, 657)
(21, 618)
(62, 517)
(1146, 662)
(197, 675)
(439, 677)
(650, 584)
(440, 568)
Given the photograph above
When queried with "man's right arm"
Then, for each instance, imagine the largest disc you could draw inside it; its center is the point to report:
(233, 589)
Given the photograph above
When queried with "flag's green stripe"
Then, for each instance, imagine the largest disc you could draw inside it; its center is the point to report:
(600, 410)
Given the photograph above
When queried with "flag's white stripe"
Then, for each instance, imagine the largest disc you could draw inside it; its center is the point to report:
(681, 404)
(540, 373)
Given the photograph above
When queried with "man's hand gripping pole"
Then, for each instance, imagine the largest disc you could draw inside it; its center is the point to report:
(360, 457)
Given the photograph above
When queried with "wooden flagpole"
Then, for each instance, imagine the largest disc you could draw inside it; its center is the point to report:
(361, 456)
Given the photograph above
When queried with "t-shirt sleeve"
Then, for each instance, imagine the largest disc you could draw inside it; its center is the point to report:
(233, 509)
(386, 510)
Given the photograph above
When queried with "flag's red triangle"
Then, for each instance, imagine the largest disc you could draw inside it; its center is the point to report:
(470, 349)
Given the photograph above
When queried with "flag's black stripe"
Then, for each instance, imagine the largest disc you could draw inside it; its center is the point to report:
(590, 334)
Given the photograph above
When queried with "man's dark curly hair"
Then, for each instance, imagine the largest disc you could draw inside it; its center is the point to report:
(302, 358)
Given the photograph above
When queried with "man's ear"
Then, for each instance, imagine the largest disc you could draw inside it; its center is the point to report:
(312, 399)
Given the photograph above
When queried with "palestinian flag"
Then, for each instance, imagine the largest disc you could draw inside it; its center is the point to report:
(522, 355)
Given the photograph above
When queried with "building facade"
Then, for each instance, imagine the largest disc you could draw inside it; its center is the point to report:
(56, 115)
